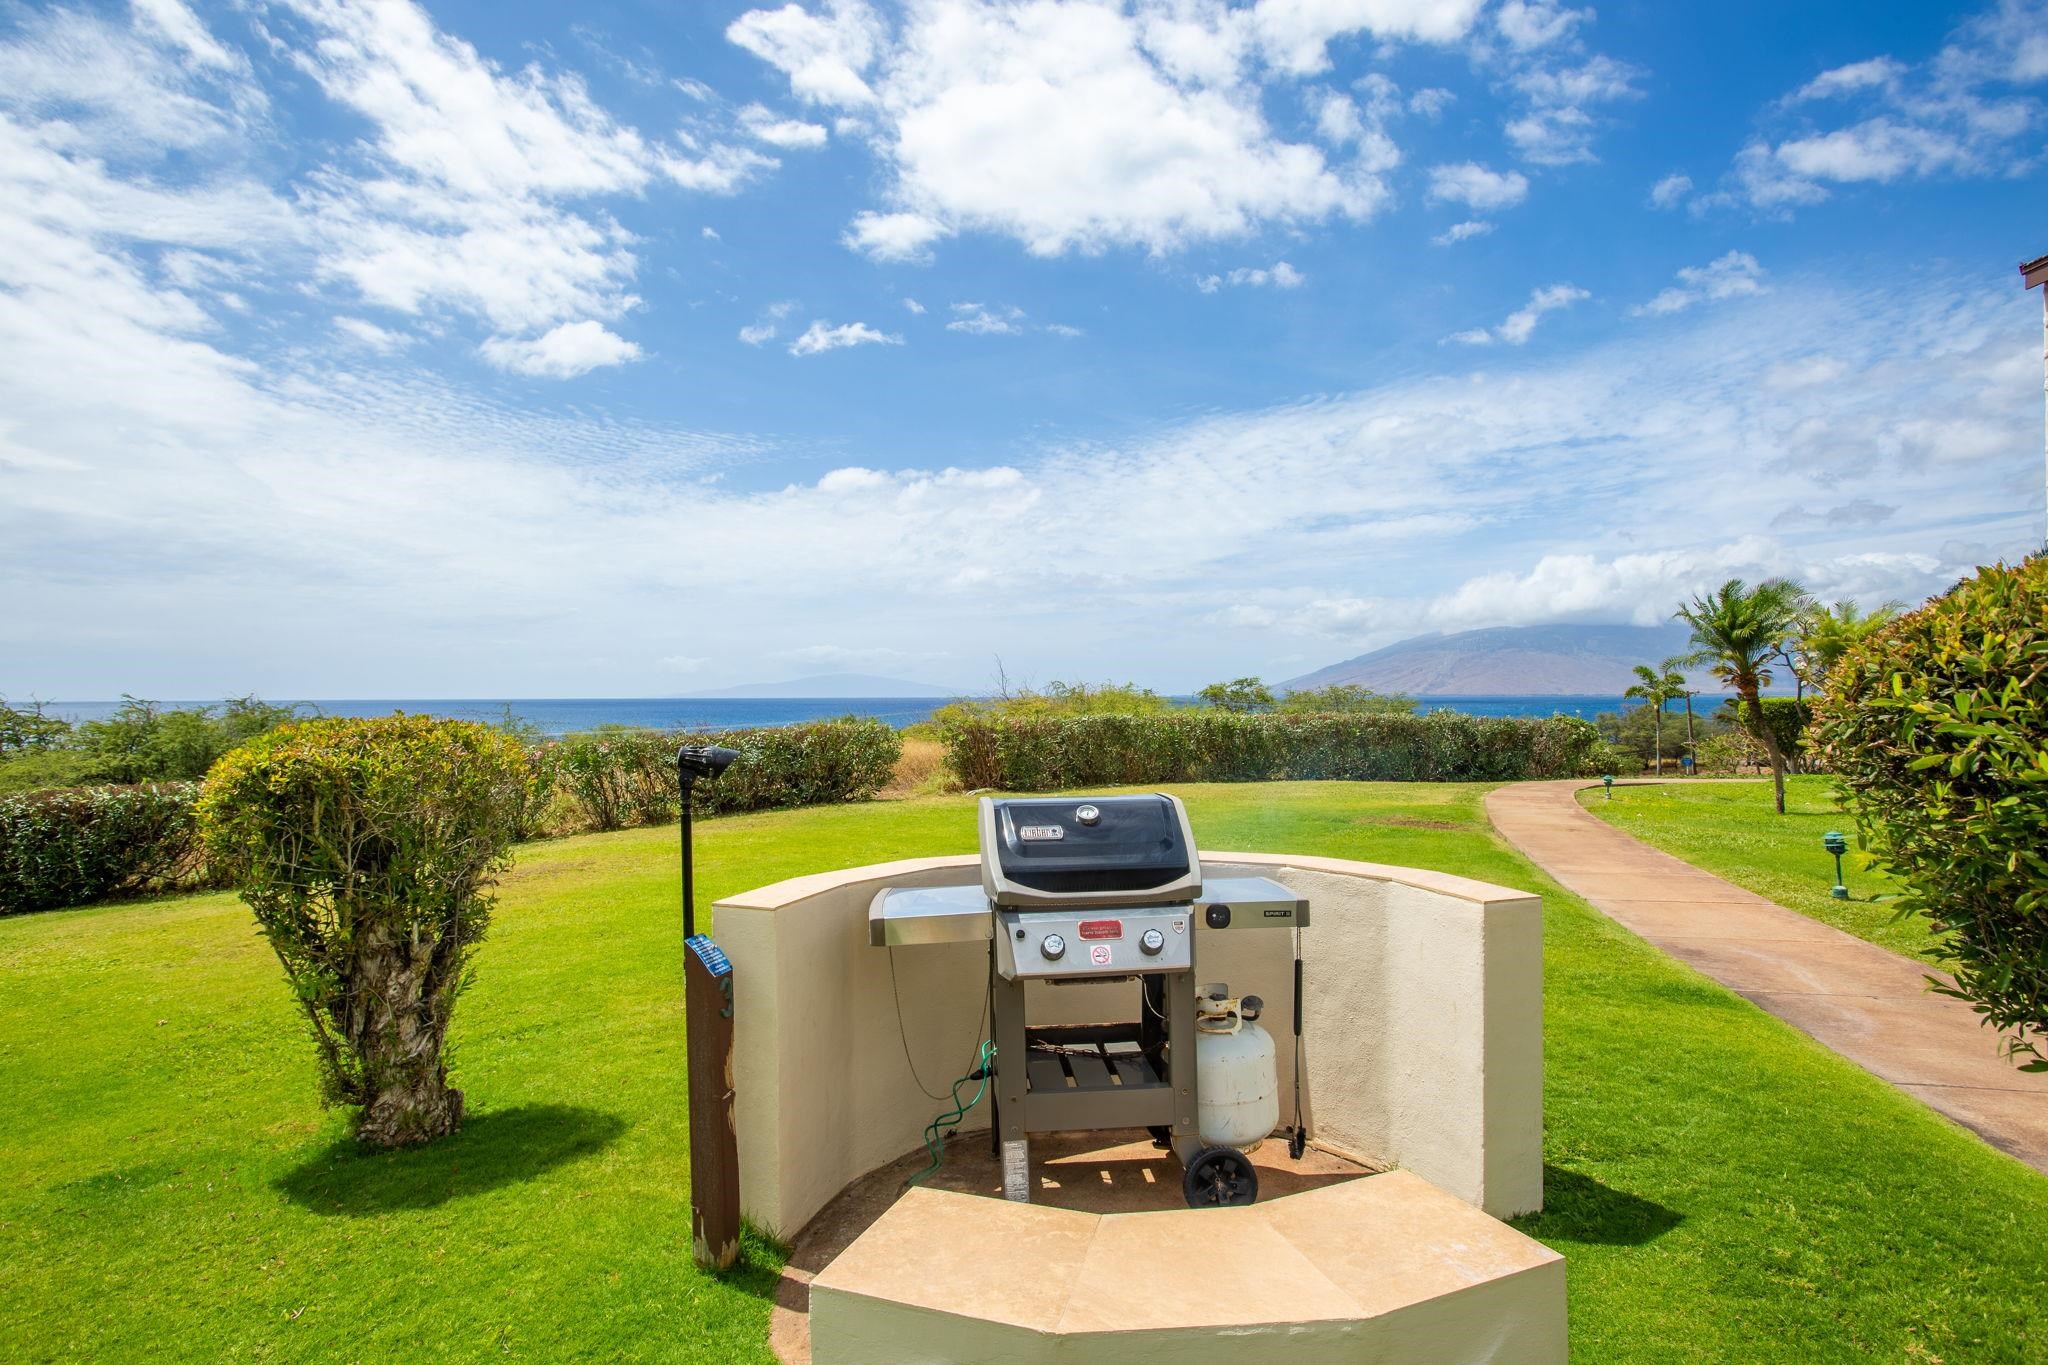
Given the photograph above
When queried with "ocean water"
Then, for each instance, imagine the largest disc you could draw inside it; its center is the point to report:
(564, 715)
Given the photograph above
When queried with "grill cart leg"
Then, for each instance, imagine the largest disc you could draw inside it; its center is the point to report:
(1180, 1045)
(1012, 1053)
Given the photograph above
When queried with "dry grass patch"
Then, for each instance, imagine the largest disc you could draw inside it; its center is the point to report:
(921, 771)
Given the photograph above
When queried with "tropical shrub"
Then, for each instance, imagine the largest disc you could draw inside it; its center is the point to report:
(1056, 699)
(1342, 697)
(1239, 694)
(1043, 753)
(144, 742)
(72, 846)
(1936, 725)
(366, 849)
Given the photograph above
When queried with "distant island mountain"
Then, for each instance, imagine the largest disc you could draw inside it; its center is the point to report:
(1559, 660)
(831, 685)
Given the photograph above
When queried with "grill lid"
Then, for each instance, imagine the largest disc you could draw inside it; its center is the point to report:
(1087, 850)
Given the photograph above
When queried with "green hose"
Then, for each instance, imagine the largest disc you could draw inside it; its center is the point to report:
(934, 1142)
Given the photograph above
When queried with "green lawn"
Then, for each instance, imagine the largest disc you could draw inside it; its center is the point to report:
(1733, 830)
(1724, 1189)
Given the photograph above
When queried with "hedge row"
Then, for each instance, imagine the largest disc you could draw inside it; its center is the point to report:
(79, 844)
(1042, 753)
(610, 779)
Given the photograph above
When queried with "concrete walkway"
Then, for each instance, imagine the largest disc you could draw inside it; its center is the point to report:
(1870, 1005)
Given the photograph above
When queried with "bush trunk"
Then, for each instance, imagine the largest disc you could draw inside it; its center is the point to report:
(396, 1023)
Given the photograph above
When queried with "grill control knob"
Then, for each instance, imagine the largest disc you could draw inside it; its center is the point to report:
(1053, 946)
(1087, 815)
(1152, 941)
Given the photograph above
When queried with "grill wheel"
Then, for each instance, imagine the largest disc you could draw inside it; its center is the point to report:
(1220, 1177)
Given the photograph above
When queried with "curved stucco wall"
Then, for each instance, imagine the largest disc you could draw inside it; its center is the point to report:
(1423, 1048)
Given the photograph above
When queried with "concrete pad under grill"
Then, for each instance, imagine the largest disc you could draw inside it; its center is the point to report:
(1383, 1268)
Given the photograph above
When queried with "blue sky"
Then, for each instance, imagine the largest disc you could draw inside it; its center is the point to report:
(616, 349)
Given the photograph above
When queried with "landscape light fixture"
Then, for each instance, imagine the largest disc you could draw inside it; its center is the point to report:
(693, 762)
(707, 1012)
(1607, 779)
(1837, 844)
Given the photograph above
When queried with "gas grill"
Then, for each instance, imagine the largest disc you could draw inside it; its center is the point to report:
(1099, 889)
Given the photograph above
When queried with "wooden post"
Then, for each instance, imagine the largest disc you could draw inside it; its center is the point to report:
(714, 1143)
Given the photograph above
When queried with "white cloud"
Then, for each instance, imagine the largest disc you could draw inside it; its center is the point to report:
(378, 339)
(1528, 24)
(820, 337)
(1670, 192)
(1520, 325)
(894, 236)
(760, 122)
(1557, 127)
(1803, 373)
(823, 56)
(468, 193)
(1460, 232)
(978, 320)
(758, 333)
(1645, 588)
(1061, 329)
(1955, 115)
(1280, 275)
(1431, 102)
(914, 306)
(709, 234)
(1295, 34)
(717, 169)
(1109, 128)
(1842, 80)
(1477, 187)
(182, 27)
(563, 352)
(1733, 275)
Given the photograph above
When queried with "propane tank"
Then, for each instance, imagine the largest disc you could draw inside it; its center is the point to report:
(1236, 1077)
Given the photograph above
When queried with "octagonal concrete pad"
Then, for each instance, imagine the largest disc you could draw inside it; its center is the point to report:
(1388, 1268)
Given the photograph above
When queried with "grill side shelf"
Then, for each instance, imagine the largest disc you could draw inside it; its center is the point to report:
(904, 915)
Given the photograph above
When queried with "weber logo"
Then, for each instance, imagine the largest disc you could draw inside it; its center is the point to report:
(1039, 833)
(1279, 914)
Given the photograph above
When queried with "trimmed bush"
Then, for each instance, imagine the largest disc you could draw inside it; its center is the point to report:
(1044, 753)
(81, 844)
(366, 849)
(1937, 727)
(1788, 719)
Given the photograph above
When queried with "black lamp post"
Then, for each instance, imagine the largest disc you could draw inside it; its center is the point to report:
(707, 1012)
(694, 761)
(1836, 844)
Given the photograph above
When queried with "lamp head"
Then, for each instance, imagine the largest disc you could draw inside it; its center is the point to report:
(1835, 843)
(1607, 778)
(703, 760)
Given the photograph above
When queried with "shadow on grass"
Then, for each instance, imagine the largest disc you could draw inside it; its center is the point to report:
(1578, 1208)
(493, 1149)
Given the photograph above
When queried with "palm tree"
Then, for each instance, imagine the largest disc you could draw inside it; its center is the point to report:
(1658, 687)
(1675, 667)
(1827, 633)
(1736, 630)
